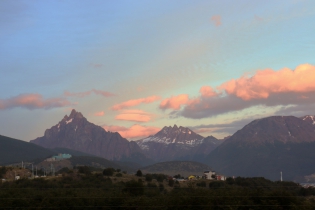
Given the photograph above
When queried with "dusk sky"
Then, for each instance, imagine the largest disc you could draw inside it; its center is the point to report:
(137, 66)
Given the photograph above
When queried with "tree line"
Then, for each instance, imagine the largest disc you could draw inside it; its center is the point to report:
(82, 189)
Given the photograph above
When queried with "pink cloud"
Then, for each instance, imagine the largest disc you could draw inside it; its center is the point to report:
(216, 19)
(207, 91)
(134, 132)
(267, 87)
(135, 102)
(268, 81)
(175, 102)
(33, 101)
(87, 93)
(134, 115)
(99, 114)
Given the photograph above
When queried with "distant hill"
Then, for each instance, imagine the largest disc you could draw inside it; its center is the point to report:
(267, 146)
(13, 151)
(96, 162)
(184, 168)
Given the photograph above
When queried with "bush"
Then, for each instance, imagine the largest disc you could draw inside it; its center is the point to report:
(201, 184)
(134, 188)
(148, 177)
(84, 170)
(108, 172)
(3, 171)
(119, 175)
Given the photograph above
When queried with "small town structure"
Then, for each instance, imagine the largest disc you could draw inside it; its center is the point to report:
(209, 175)
(59, 157)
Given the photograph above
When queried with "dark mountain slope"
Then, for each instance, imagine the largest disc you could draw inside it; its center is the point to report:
(13, 151)
(267, 146)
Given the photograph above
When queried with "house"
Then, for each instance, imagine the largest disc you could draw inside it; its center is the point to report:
(220, 178)
(59, 157)
(209, 175)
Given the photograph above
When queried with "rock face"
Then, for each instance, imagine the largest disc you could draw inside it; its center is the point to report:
(75, 132)
(177, 143)
(267, 146)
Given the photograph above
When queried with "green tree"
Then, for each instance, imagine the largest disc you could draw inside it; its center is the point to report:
(171, 182)
(139, 173)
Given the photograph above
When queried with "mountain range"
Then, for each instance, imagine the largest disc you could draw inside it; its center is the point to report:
(265, 147)
(171, 143)
(75, 132)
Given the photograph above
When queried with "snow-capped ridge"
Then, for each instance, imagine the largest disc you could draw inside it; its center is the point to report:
(173, 135)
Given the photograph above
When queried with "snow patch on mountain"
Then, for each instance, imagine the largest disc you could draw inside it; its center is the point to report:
(172, 135)
(69, 121)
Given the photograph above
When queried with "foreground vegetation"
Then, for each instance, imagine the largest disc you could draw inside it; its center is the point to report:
(113, 189)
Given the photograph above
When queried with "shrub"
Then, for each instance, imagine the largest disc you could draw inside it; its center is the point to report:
(201, 184)
(134, 188)
(84, 170)
(119, 175)
(108, 172)
(148, 177)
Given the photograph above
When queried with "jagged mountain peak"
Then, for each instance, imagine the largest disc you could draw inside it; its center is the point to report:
(175, 130)
(77, 133)
(75, 114)
(174, 135)
(309, 118)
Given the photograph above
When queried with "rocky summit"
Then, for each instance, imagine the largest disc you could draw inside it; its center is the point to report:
(75, 132)
(177, 143)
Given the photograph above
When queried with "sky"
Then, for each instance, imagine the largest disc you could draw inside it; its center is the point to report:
(134, 67)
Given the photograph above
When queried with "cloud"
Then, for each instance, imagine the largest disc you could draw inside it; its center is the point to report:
(33, 101)
(230, 127)
(134, 132)
(207, 91)
(175, 102)
(87, 93)
(216, 19)
(135, 102)
(99, 114)
(265, 88)
(134, 115)
(268, 81)
(297, 110)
